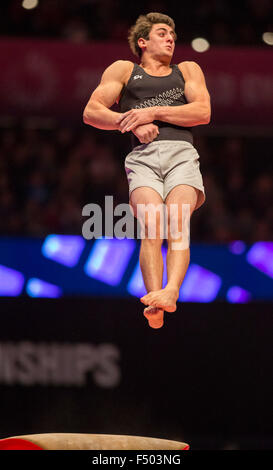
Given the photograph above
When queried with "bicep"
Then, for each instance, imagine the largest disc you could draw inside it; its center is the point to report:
(195, 85)
(196, 92)
(111, 84)
(106, 93)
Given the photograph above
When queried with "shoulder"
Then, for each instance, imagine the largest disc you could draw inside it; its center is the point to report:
(119, 70)
(122, 64)
(190, 70)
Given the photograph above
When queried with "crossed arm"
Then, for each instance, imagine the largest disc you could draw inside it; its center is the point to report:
(97, 112)
(140, 121)
(196, 112)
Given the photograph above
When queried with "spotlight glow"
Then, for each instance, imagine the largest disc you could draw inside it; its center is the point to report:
(29, 4)
(200, 44)
(268, 38)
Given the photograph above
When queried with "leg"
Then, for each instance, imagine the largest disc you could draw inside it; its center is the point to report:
(177, 257)
(150, 258)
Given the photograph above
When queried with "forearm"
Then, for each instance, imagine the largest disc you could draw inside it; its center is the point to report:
(97, 115)
(188, 115)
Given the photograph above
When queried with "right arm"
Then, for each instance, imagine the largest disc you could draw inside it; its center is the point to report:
(97, 112)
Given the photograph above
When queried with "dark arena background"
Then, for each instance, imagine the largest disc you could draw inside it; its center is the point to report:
(76, 353)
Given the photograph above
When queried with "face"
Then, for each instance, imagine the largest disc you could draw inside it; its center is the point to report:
(161, 41)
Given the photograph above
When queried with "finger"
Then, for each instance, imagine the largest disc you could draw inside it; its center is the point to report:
(125, 122)
(123, 126)
(131, 125)
(149, 140)
(128, 129)
(120, 118)
(123, 116)
(128, 113)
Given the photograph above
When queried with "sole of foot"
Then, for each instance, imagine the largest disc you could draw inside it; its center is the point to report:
(155, 316)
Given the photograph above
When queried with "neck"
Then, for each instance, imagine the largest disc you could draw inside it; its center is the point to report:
(155, 64)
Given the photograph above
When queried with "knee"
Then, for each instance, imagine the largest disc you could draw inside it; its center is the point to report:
(151, 226)
(152, 234)
(179, 225)
(152, 243)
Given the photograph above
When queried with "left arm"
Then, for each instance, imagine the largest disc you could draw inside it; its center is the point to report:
(197, 111)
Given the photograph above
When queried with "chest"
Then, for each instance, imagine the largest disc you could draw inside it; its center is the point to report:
(154, 91)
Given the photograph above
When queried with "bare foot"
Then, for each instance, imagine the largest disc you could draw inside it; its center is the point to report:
(165, 299)
(154, 316)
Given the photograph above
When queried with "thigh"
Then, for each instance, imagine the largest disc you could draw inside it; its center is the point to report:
(148, 207)
(181, 202)
(183, 194)
(144, 175)
(144, 195)
(183, 177)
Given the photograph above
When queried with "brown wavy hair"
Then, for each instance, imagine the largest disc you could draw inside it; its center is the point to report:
(142, 28)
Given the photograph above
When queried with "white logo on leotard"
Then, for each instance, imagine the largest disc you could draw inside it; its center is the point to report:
(163, 99)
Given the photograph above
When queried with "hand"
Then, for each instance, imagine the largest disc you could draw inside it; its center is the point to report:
(136, 117)
(146, 133)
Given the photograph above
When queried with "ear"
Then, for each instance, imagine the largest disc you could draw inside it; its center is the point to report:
(141, 43)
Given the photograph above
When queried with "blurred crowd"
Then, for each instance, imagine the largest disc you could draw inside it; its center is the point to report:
(47, 175)
(220, 21)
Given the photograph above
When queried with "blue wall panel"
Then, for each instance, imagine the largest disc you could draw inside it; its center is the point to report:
(64, 265)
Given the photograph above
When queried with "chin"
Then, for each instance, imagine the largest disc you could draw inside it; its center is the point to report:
(165, 55)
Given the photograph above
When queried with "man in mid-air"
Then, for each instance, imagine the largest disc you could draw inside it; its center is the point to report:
(159, 104)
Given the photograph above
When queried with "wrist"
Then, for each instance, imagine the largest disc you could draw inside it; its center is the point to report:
(157, 112)
(117, 121)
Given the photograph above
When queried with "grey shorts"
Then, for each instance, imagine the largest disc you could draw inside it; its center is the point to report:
(164, 164)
